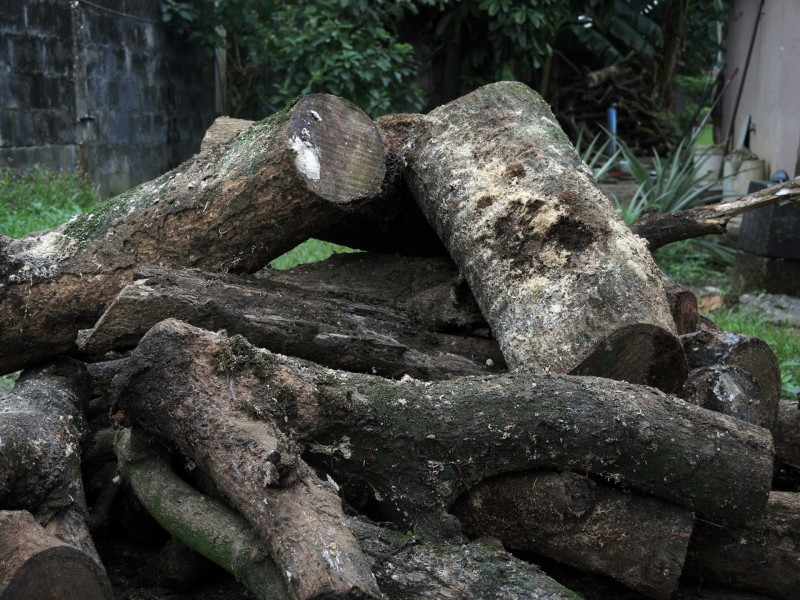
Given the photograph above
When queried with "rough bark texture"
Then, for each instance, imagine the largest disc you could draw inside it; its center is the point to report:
(711, 346)
(205, 525)
(763, 556)
(365, 428)
(41, 429)
(335, 327)
(730, 390)
(35, 565)
(660, 229)
(787, 433)
(639, 541)
(233, 207)
(561, 280)
(259, 471)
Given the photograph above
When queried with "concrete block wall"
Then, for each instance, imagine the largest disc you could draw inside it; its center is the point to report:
(102, 87)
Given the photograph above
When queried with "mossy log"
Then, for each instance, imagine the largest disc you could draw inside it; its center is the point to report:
(41, 429)
(35, 565)
(412, 447)
(762, 556)
(233, 207)
(639, 541)
(334, 327)
(564, 284)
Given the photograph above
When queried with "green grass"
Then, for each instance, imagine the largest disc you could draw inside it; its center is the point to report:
(694, 264)
(37, 199)
(309, 251)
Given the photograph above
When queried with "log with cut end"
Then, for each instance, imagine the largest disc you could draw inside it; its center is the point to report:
(710, 346)
(233, 207)
(414, 446)
(787, 434)
(762, 556)
(639, 541)
(35, 565)
(564, 284)
(336, 327)
(41, 430)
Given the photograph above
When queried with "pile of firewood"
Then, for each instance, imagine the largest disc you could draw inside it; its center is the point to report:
(505, 370)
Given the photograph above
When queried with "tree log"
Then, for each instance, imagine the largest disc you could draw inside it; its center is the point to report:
(787, 434)
(260, 473)
(35, 565)
(203, 524)
(660, 229)
(564, 284)
(710, 346)
(366, 428)
(335, 327)
(763, 556)
(231, 208)
(639, 541)
(683, 306)
(41, 429)
(730, 390)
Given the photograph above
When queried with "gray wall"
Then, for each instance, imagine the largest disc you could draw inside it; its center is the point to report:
(112, 94)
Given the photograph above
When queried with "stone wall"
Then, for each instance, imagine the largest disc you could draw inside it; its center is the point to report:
(103, 87)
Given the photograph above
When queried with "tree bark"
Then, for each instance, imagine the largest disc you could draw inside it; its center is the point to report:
(660, 229)
(203, 524)
(41, 430)
(639, 541)
(762, 557)
(710, 346)
(561, 280)
(366, 429)
(334, 327)
(231, 208)
(787, 434)
(35, 565)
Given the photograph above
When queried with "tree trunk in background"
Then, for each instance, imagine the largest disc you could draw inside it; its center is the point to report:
(561, 280)
(233, 207)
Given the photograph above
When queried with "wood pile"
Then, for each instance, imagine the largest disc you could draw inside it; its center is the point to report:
(503, 379)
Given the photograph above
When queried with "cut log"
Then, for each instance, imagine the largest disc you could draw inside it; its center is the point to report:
(683, 306)
(730, 390)
(35, 565)
(231, 208)
(335, 328)
(41, 429)
(787, 434)
(762, 557)
(203, 524)
(260, 473)
(660, 229)
(364, 428)
(564, 284)
(639, 541)
(710, 346)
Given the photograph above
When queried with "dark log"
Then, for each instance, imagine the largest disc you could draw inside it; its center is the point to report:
(762, 557)
(787, 434)
(35, 565)
(660, 229)
(564, 284)
(683, 306)
(732, 391)
(231, 208)
(259, 471)
(415, 446)
(710, 346)
(639, 541)
(41, 429)
(405, 566)
(333, 327)
(203, 524)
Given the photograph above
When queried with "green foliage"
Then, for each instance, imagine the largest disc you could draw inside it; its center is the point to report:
(694, 264)
(784, 341)
(309, 251)
(277, 51)
(37, 199)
